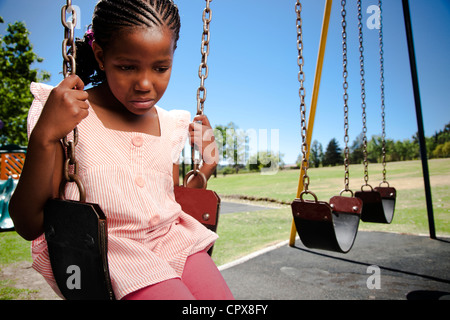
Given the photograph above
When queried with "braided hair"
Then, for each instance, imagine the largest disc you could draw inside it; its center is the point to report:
(111, 17)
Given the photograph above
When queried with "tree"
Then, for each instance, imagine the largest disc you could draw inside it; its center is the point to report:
(400, 150)
(220, 132)
(333, 154)
(231, 143)
(391, 153)
(356, 149)
(316, 154)
(265, 159)
(442, 136)
(446, 149)
(16, 58)
(375, 149)
(436, 144)
(442, 150)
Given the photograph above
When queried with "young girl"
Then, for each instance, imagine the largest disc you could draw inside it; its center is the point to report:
(127, 152)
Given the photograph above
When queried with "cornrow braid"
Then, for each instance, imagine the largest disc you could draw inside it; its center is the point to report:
(111, 17)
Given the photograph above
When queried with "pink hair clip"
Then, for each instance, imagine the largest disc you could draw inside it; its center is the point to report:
(90, 36)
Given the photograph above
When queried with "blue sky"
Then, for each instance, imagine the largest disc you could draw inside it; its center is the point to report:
(253, 64)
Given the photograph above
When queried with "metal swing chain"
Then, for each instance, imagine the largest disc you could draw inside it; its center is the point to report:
(383, 122)
(204, 69)
(345, 86)
(203, 73)
(301, 79)
(363, 94)
(69, 68)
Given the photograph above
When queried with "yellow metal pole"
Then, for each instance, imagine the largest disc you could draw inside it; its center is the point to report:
(315, 95)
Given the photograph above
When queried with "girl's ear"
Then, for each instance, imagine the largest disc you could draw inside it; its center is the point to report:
(99, 55)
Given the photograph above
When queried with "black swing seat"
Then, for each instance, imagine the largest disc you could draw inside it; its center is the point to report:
(76, 235)
(378, 204)
(328, 226)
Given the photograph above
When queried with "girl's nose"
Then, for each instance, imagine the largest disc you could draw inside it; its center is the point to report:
(144, 82)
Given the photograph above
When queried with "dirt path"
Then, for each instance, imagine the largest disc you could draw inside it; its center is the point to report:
(20, 275)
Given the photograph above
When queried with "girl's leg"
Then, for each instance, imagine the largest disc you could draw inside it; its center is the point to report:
(201, 280)
(204, 280)
(172, 289)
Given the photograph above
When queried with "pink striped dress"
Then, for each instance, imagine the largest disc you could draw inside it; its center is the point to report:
(130, 175)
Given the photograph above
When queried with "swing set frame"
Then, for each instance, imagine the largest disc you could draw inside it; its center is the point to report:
(418, 107)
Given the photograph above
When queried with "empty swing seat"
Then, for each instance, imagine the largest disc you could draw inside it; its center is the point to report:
(379, 204)
(329, 226)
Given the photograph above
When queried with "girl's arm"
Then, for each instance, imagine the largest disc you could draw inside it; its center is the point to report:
(42, 170)
(39, 181)
(176, 175)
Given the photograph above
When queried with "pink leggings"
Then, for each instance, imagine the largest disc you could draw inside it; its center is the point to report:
(201, 280)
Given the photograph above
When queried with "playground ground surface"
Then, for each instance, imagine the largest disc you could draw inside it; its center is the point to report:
(380, 266)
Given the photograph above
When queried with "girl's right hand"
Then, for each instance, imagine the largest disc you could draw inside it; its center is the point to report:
(65, 108)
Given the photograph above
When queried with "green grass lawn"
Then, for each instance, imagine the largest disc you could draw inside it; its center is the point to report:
(245, 232)
(12, 249)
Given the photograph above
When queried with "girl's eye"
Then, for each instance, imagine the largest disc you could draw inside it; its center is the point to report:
(126, 68)
(161, 69)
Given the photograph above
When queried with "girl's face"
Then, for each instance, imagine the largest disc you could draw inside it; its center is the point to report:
(138, 65)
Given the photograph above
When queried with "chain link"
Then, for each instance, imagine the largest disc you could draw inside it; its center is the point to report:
(301, 79)
(204, 69)
(69, 68)
(68, 46)
(383, 122)
(345, 86)
(363, 94)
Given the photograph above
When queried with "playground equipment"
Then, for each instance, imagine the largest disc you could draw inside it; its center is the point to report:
(7, 188)
(418, 107)
(76, 231)
(331, 226)
(202, 204)
(419, 117)
(379, 202)
(12, 159)
(334, 225)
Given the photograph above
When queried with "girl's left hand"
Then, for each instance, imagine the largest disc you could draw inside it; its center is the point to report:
(202, 135)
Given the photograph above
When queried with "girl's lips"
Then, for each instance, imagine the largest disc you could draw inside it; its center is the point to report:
(145, 104)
